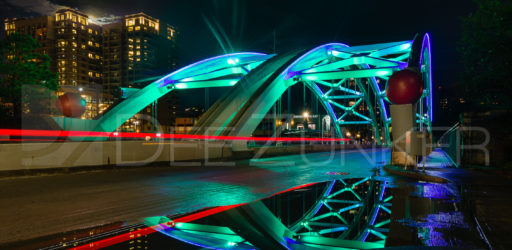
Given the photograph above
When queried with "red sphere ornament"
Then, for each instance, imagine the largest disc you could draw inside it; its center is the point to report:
(404, 87)
(71, 105)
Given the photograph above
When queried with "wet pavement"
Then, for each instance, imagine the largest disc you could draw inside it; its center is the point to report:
(469, 212)
(45, 205)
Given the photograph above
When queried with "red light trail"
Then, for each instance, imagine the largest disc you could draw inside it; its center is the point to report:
(93, 134)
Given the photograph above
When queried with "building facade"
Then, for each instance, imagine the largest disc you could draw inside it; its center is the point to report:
(95, 61)
(40, 28)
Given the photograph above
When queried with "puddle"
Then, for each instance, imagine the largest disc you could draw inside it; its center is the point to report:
(350, 213)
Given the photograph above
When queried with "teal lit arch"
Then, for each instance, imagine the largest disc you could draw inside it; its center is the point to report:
(334, 72)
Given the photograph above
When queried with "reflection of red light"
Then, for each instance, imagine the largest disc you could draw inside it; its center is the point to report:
(58, 133)
(148, 230)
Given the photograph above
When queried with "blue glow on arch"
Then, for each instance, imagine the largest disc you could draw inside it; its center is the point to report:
(426, 42)
(289, 74)
(166, 80)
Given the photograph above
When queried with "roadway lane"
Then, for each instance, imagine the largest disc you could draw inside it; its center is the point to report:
(44, 205)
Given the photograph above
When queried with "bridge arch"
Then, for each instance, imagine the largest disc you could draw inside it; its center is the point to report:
(336, 73)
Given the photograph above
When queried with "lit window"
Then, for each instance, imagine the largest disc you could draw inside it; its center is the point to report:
(89, 43)
(90, 55)
(83, 46)
(74, 44)
(137, 27)
(138, 53)
(90, 31)
(74, 31)
(130, 22)
(90, 73)
(130, 28)
(97, 57)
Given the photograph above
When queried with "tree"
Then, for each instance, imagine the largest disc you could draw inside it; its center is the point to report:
(25, 76)
(486, 52)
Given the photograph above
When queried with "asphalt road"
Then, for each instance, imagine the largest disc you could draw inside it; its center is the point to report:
(43, 205)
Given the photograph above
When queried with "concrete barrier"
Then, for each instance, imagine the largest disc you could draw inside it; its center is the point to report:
(40, 156)
(23, 156)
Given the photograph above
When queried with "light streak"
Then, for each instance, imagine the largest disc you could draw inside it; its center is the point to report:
(94, 134)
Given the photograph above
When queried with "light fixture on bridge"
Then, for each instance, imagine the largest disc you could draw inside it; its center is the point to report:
(232, 61)
(180, 85)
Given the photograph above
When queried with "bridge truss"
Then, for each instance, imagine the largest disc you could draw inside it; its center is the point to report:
(348, 81)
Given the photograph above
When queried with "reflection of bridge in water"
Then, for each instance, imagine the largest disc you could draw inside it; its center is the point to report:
(348, 81)
(343, 213)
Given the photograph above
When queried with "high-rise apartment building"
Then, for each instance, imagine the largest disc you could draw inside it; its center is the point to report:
(92, 59)
(79, 53)
(138, 49)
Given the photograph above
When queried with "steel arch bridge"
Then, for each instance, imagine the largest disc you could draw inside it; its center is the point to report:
(349, 82)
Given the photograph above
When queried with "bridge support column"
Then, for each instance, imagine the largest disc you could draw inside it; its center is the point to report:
(402, 121)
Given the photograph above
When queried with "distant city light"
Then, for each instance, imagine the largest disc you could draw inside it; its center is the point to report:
(305, 114)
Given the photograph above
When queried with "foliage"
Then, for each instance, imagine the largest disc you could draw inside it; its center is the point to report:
(486, 53)
(25, 76)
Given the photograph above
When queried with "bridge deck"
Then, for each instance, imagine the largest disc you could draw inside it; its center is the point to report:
(44, 205)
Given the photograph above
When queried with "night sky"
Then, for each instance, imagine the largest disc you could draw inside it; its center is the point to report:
(250, 25)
